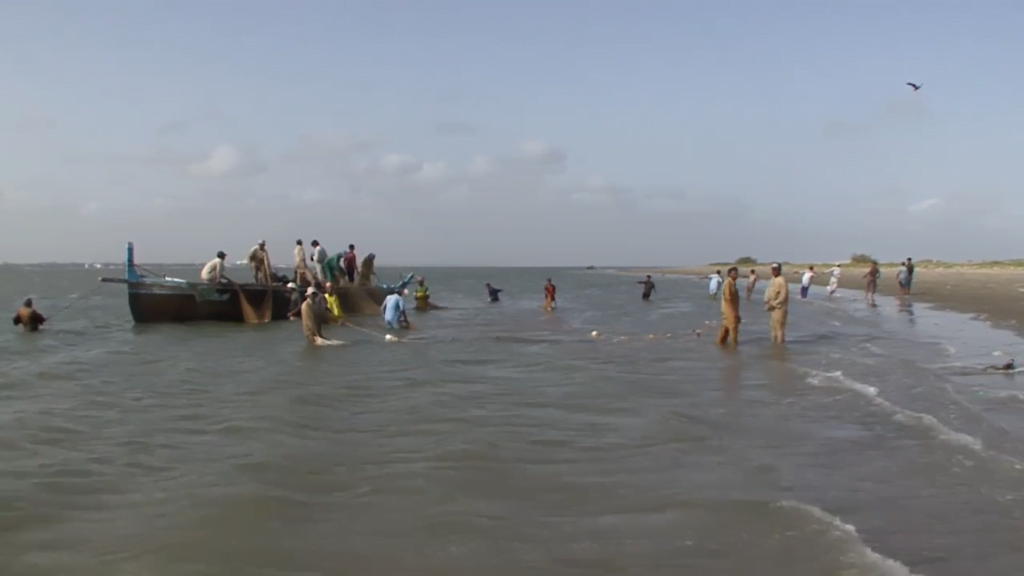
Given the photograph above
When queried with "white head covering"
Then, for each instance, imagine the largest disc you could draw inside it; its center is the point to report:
(777, 265)
(261, 243)
(293, 286)
(311, 291)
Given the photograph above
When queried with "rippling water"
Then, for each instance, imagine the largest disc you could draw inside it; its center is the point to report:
(497, 439)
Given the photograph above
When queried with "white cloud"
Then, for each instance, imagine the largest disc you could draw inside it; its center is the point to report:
(400, 164)
(89, 208)
(226, 161)
(929, 204)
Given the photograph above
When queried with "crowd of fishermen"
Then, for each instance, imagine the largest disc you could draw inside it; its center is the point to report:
(319, 270)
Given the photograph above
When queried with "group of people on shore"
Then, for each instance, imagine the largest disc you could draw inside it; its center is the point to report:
(776, 297)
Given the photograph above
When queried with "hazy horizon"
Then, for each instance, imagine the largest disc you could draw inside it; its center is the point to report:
(510, 133)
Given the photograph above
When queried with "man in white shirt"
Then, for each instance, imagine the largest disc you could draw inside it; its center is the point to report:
(213, 272)
(715, 285)
(833, 282)
(805, 282)
(318, 258)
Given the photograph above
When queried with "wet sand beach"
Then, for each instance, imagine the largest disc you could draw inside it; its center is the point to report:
(993, 294)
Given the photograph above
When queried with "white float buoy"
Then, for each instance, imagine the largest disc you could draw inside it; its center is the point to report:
(390, 338)
(595, 334)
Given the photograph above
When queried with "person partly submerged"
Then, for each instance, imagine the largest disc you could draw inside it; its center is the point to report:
(751, 282)
(422, 294)
(312, 317)
(492, 292)
(1007, 367)
(648, 288)
(295, 301)
(333, 305)
(549, 295)
(28, 317)
(393, 310)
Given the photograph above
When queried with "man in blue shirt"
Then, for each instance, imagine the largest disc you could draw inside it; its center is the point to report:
(393, 310)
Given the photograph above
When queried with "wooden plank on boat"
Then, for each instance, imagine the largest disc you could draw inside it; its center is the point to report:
(114, 280)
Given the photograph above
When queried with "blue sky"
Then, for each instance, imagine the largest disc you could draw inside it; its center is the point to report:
(511, 133)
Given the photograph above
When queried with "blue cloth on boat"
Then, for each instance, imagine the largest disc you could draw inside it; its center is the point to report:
(392, 308)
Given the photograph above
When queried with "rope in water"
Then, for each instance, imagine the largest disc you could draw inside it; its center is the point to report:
(74, 301)
(350, 325)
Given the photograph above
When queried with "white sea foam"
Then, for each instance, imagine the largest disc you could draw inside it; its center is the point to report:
(837, 380)
(866, 558)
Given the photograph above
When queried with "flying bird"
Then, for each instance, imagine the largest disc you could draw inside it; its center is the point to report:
(916, 87)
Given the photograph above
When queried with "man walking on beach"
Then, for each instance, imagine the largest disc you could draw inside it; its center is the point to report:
(730, 309)
(776, 302)
(901, 278)
(751, 282)
(871, 282)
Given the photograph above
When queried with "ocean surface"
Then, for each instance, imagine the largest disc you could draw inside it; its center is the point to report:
(499, 439)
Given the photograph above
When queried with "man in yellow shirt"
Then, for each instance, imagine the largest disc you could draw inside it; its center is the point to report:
(334, 313)
(730, 309)
(776, 302)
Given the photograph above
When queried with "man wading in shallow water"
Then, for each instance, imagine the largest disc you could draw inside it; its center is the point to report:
(871, 282)
(730, 329)
(776, 302)
(648, 288)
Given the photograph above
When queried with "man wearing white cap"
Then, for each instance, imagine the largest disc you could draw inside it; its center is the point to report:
(295, 305)
(312, 317)
(259, 261)
(776, 302)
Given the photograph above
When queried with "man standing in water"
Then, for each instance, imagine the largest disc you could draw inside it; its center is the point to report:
(549, 295)
(910, 274)
(730, 309)
(393, 310)
(901, 278)
(871, 282)
(833, 282)
(751, 282)
(28, 317)
(776, 302)
(492, 292)
(422, 294)
(312, 317)
(805, 282)
(715, 284)
(648, 288)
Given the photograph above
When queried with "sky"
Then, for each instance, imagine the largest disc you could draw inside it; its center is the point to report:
(511, 133)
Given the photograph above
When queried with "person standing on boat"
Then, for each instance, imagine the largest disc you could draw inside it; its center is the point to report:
(213, 272)
(351, 264)
(333, 270)
(318, 258)
(28, 317)
(303, 275)
(259, 261)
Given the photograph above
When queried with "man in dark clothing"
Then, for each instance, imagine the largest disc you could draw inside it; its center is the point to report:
(648, 288)
(28, 318)
(910, 274)
(492, 292)
(351, 264)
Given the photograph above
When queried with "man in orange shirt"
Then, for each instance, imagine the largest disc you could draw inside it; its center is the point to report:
(730, 309)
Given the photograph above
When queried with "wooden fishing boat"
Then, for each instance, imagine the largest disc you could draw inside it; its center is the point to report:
(160, 298)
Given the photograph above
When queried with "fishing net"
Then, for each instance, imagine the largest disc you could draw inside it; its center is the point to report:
(257, 315)
(359, 299)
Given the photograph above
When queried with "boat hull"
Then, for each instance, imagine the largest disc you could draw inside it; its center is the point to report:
(159, 302)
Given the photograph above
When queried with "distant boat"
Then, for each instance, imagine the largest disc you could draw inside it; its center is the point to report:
(590, 267)
(154, 299)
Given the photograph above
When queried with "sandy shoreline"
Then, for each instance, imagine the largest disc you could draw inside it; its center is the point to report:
(995, 295)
